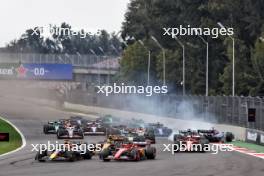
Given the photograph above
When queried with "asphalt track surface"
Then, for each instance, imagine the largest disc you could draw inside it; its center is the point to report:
(29, 118)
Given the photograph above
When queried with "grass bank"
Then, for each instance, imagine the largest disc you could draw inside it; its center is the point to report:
(15, 140)
(255, 147)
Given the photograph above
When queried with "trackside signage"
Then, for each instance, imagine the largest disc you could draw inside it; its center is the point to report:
(4, 137)
(252, 136)
(262, 138)
(255, 136)
(36, 71)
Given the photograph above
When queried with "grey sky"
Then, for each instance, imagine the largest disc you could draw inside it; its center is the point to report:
(18, 15)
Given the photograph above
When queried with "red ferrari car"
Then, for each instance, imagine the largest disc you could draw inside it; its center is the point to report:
(190, 141)
(94, 128)
(130, 152)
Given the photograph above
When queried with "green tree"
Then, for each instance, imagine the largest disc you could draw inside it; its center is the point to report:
(258, 64)
(146, 18)
(244, 74)
(134, 65)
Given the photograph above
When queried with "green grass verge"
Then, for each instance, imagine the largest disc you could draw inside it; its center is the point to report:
(15, 140)
(255, 147)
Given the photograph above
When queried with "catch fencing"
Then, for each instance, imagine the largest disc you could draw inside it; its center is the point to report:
(74, 59)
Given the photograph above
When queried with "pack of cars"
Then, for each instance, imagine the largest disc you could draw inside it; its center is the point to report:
(76, 127)
(125, 140)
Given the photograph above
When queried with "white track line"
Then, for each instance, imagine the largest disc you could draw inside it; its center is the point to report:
(22, 137)
(248, 152)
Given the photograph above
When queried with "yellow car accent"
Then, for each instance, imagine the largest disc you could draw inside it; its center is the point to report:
(54, 155)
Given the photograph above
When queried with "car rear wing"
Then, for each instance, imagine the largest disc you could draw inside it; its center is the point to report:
(205, 131)
(142, 144)
(54, 122)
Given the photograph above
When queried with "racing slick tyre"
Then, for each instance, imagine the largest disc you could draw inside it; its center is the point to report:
(40, 155)
(229, 137)
(81, 136)
(151, 137)
(71, 156)
(88, 155)
(59, 134)
(80, 133)
(150, 152)
(46, 129)
(104, 154)
(134, 154)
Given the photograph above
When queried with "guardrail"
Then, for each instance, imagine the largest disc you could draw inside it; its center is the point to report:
(255, 136)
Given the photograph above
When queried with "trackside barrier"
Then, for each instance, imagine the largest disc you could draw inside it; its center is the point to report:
(255, 136)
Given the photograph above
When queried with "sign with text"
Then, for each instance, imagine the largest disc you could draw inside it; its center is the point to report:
(252, 136)
(262, 138)
(251, 115)
(36, 71)
(4, 137)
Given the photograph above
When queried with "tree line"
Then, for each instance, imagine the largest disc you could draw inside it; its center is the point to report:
(147, 18)
(32, 41)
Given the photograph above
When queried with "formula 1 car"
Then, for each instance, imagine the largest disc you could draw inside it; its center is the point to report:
(64, 155)
(136, 123)
(141, 136)
(113, 142)
(78, 119)
(117, 130)
(190, 141)
(94, 128)
(150, 135)
(129, 152)
(109, 120)
(70, 132)
(160, 130)
(147, 134)
(215, 136)
(52, 127)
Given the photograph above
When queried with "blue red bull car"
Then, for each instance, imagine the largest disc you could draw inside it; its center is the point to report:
(159, 129)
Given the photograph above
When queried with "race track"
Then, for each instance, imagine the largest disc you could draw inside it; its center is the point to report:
(29, 118)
